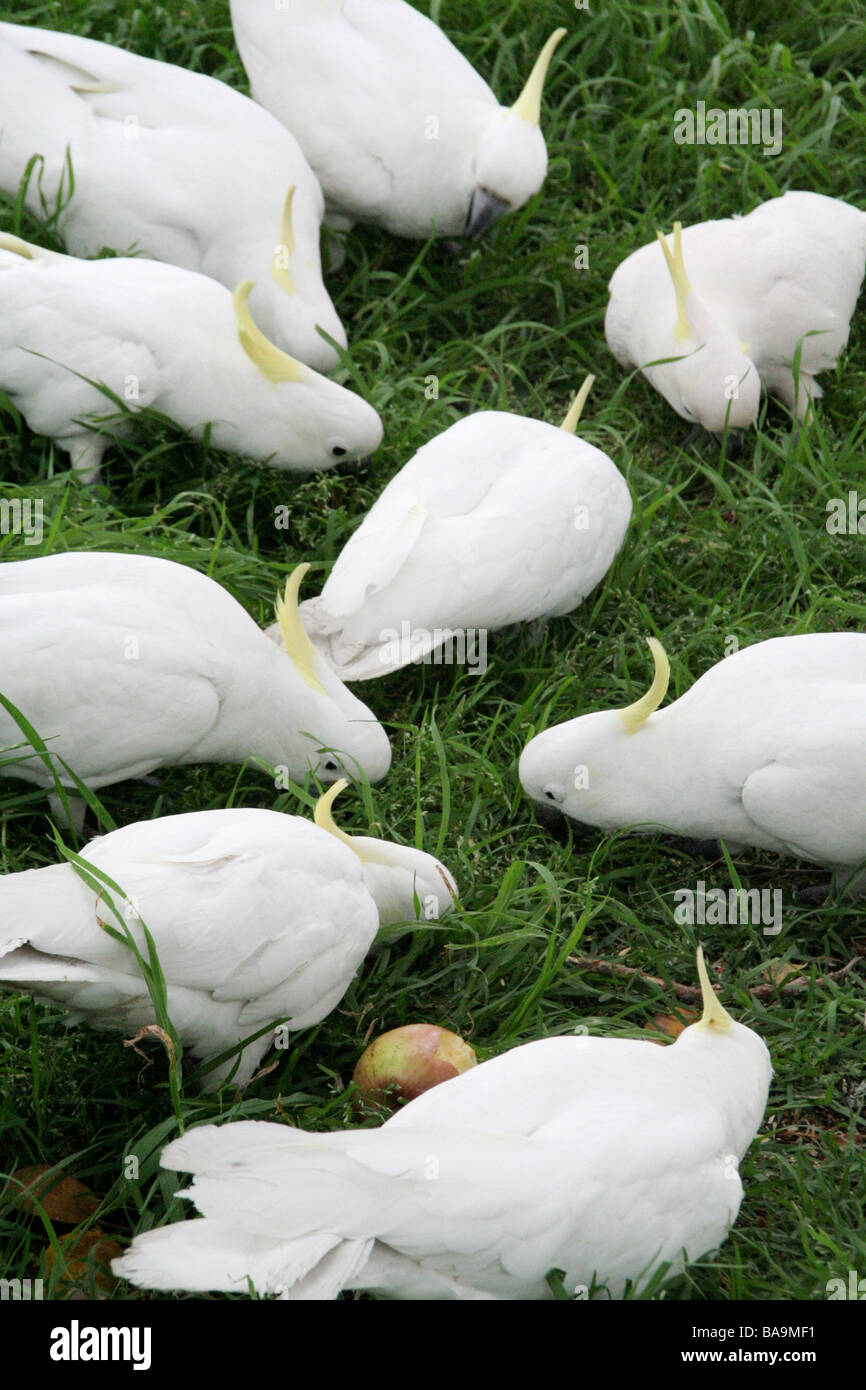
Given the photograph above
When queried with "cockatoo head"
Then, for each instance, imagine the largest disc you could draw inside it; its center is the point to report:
(341, 737)
(297, 419)
(729, 1059)
(292, 304)
(714, 383)
(586, 768)
(511, 157)
(405, 883)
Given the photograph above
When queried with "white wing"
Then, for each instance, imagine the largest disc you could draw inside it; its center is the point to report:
(248, 907)
(811, 797)
(169, 163)
(107, 716)
(117, 660)
(491, 1210)
(496, 521)
(57, 339)
(360, 82)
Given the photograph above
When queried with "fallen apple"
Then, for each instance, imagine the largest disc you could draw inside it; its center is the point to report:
(404, 1063)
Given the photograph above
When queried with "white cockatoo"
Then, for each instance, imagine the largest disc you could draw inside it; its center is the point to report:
(257, 917)
(172, 339)
(173, 165)
(735, 301)
(126, 663)
(497, 520)
(767, 749)
(398, 125)
(600, 1157)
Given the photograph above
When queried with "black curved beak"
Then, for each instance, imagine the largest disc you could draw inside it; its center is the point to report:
(734, 442)
(484, 209)
(549, 815)
(352, 468)
(561, 827)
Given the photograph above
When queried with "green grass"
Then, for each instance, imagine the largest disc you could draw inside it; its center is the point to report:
(716, 549)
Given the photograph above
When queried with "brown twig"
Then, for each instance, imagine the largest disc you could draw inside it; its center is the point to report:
(262, 1071)
(151, 1030)
(690, 994)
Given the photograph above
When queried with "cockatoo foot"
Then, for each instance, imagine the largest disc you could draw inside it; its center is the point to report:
(845, 884)
(694, 437)
(801, 431)
(735, 445)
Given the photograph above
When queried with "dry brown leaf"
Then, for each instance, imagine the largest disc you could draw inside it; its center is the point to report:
(75, 1257)
(62, 1197)
(671, 1025)
(778, 971)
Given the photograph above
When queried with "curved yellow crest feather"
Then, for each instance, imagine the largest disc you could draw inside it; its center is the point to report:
(528, 104)
(322, 814)
(325, 821)
(575, 410)
(271, 361)
(286, 247)
(633, 716)
(714, 1016)
(8, 242)
(677, 267)
(297, 644)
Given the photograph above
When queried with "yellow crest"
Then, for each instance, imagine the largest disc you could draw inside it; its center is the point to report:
(287, 245)
(274, 364)
(297, 644)
(572, 419)
(677, 267)
(633, 716)
(714, 1016)
(8, 242)
(528, 104)
(322, 814)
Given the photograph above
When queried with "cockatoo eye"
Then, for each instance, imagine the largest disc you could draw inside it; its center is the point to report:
(330, 770)
(338, 452)
(554, 792)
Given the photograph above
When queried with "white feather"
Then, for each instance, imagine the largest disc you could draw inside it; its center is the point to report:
(601, 1158)
(125, 663)
(789, 271)
(257, 917)
(766, 749)
(497, 520)
(163, 337)
(399, 127)
(171, 163)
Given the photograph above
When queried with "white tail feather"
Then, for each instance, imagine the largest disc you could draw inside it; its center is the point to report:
(207, 1255)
